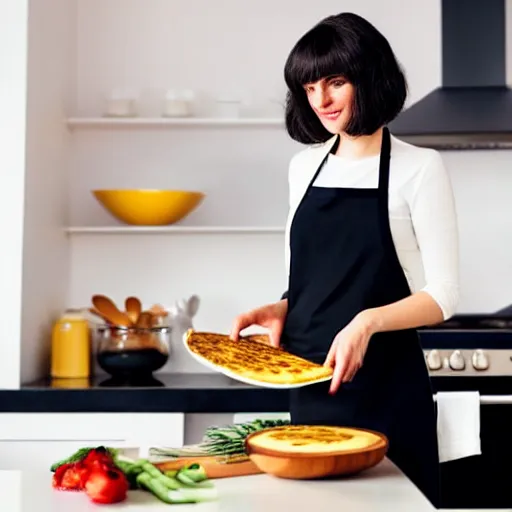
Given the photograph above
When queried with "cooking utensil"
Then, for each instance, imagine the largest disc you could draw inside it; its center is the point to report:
(145, 320)
(94, 316)
(109, 310)
(133, 308)
(160, 316)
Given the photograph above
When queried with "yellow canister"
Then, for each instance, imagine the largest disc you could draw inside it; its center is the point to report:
(71, 346)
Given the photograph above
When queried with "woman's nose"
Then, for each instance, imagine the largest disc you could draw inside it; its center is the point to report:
(321, 100)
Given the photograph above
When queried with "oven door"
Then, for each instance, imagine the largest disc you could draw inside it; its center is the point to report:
(483, 481)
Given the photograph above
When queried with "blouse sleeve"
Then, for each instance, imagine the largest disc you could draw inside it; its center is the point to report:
(434, 221)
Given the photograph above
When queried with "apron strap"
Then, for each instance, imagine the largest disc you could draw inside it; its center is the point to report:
(385, 154)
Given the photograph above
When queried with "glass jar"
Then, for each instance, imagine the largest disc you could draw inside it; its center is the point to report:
(71, 346)
(132, 352)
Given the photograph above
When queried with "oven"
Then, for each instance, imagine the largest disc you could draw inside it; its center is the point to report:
(474, 353)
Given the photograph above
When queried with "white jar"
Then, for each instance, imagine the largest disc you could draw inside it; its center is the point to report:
(178, 103)
(122, 103)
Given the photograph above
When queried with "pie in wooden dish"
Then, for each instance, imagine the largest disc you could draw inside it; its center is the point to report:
(253, 360)
(314, 451)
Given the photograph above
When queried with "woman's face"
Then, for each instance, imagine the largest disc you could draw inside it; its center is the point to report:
(331, 99)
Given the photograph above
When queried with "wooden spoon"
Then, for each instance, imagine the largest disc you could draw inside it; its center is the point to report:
(133, 308)
(109, 310)
(97, 314)
(145, 320)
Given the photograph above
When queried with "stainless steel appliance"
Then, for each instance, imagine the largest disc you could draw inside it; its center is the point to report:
(474, 353)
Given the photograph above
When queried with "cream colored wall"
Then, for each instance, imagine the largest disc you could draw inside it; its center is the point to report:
(51, 54)
(213, 48)
(13, 60)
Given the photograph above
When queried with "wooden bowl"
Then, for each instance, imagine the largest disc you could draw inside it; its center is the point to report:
(296, 462)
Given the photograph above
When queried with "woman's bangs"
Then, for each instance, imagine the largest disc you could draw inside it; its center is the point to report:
(317, 55)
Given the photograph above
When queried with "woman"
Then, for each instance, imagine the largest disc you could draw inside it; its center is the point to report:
(371, 245)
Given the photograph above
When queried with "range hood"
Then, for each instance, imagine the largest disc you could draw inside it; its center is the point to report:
(473, 107)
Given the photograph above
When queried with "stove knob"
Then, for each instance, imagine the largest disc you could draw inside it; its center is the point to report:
(434, 360)
(480, 360)
(457, 362)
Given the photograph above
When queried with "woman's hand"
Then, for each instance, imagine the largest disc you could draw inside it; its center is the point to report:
(348, 349)
(271, 316)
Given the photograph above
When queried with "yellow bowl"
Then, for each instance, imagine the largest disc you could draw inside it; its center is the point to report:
(149, 207)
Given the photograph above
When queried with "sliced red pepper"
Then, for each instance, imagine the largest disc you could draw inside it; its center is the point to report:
(59, 475)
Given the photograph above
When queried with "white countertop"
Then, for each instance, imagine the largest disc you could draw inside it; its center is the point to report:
(383, 488)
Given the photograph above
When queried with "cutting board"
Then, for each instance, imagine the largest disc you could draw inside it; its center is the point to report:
(215, 467)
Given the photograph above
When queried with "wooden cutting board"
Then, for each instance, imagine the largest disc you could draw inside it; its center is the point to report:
(215, 467)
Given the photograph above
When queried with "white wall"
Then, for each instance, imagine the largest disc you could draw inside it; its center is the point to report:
(227, 47)
(217, 47)
(13, 60)
(45, 251)
(482, 182)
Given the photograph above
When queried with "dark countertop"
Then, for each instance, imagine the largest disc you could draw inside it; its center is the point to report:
(186, 393)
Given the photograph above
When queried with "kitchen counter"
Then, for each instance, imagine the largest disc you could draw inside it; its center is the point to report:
(382, 488)
(185, 393)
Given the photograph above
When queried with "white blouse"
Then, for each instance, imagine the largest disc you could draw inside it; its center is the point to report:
(421, 210)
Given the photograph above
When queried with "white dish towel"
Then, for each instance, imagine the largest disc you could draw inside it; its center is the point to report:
(458, 424)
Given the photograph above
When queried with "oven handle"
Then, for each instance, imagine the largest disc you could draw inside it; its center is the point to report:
(493, 399)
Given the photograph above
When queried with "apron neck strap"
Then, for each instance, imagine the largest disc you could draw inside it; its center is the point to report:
(385, 154)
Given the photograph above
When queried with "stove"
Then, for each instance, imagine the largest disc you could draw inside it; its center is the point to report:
(470, 345)
(473, 352)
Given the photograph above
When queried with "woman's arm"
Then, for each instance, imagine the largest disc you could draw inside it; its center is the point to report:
(417, 310)
(434, 220)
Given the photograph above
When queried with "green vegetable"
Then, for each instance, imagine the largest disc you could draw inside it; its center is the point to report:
(195, 472)
(193, 476)
(230, 440)
(80, 455)
(188, 485)
(154, 485)
(157, 475)
(130, 468)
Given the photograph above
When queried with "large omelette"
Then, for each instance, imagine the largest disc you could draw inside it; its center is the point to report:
(252, 359)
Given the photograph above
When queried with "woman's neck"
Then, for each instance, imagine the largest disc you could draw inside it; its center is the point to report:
(359, 147)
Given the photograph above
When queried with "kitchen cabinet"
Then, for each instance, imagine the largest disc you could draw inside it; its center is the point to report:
(35, 441)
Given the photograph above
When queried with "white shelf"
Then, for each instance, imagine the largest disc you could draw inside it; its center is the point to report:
(181, 230)
(162, 122)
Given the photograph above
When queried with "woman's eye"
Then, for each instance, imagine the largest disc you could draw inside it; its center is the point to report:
(338, 83)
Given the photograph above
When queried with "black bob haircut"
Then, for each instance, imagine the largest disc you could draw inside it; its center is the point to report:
(350, 46)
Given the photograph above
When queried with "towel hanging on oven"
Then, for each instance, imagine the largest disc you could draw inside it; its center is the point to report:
(458, 425)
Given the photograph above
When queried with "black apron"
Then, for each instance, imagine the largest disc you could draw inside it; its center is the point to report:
(343, 261)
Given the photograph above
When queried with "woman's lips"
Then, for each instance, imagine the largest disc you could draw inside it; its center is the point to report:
(332, 116)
